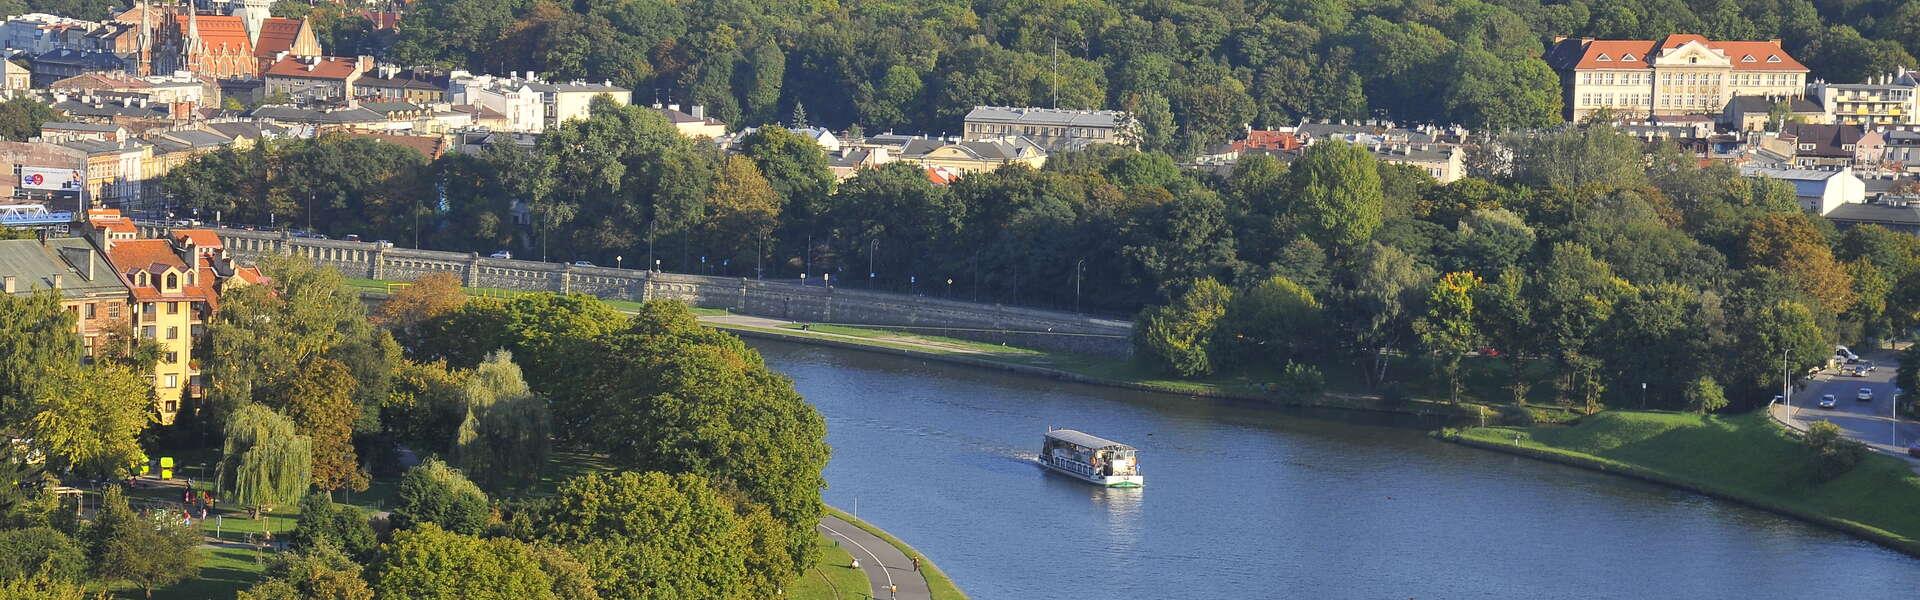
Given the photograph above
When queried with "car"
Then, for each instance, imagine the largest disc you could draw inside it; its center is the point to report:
(384, 243)
(1828, 401)
(582, 263)
(501, 254)
(1843, 351)
(353, 237)
(1865, 395)
(1914, 450)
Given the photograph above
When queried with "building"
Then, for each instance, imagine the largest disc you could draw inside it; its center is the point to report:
(49, 174)
(16, 77)
(55, 65)
(87, 285)
(242, 45)
(1052, 129)
(1902, 151)
(1902, 216)
(1447, 163)
(694, 123)
(1756, 113)
(1891, 100)
(40, 32)
(1831, 147)
(58, 131)
(307, 79)
(389, 83)
(973, 156)
(1675, 75)
(116, 171)
(530, 104)
(1820, 192)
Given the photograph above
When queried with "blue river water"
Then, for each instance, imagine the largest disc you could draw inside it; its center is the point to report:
(1245, 502)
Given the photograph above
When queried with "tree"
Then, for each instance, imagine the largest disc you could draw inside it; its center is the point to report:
(1705, 396)
(426, 406)
(743, 212)
(316, 572)
(504, 440)
(1337, 193)
(147, 552)
(1275, 321)
(428, 298)
(20, 118)
(1485, 91)
(91, 418)
(1375, 301)
(341, 527)
(264, 339)
(430, 563)
(434, 493)
(651, 536)
(320, 403)
(25, 553)
(265, 462)
(1177, 337)
(1794, 246)
(1833, 453)
(1447, 330)
(36, 336)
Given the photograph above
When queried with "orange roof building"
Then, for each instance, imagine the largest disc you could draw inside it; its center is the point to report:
(1678, 74)
(224, 46)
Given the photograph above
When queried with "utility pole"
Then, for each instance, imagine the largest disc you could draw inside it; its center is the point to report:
(1078, 267)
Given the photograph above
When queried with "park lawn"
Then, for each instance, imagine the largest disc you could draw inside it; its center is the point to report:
(937, 581)
(832, 576)
(223, 573)
(1745, 457)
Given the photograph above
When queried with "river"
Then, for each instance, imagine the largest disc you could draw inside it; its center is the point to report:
(1252, 503)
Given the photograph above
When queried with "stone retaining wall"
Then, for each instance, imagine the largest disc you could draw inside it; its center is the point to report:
(1027, 327)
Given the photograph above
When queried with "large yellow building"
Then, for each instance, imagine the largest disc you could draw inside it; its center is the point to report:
(1679, 74)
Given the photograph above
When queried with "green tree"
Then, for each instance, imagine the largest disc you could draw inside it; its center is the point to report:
(36, 337)
(1274, 322)
(651, 536)
(505, 438)
(20, 118)
(265, 462)
(1337, 195)
(1375, 301)
(429, 563)
(1485, 91)
(147, 552)
(435, 493)
(319, 400)
(1447, 330)
(341, 527)
(743, 212)
(1705, 396)
(1177, 337)
(25, 553)
(90, 418)
(1833, 454)
(316, 572)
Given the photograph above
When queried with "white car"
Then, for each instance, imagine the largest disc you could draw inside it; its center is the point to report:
(501, 254)
(1865, 395)
(1827, 401)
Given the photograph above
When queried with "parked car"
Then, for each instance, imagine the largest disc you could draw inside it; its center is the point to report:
(582, 263)
(1828, 401)
(353, 237)
(384, 243)
(1843, 351)
(501, 254)
(1865, 395)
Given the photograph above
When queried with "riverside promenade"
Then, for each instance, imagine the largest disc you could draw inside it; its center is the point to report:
(890, 573)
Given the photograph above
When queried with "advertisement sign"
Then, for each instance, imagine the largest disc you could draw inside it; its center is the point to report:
(59, 180)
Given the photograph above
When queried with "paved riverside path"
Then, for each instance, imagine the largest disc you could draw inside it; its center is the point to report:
(1870, 422)
(884, 564)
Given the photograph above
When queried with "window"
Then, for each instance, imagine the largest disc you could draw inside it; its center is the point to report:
(173, 308)
(1628, 57)
(1604, 58)
(173, 358)
(113, 311)
(93, 310)
(173, 281)
(1773, 58)
(172, 381)
(1746, 59)
(1806, 146)
(172, 405)
(173, 333)
(146, 332)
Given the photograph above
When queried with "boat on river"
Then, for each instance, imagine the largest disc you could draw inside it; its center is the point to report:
(1091, 458)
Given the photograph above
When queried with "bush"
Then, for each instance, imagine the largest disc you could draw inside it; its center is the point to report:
(436, 493)
(28, 552)
(1299, 380)
(343, 526)
(1517, 416)
(1833, 454)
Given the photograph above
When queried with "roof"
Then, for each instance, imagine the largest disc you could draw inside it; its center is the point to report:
(1267, 139)
(1828, 140)
(105, 147)
(33, 266)
(1760, 104)
(106, 80)
(101, 61)
(219, 34)
(430, 146)
(204, 238)
(314, 67)
(293, 114)
(187, 139)
(1085, 440)
(1789, 174)
(129, 256)
(74, 126)
(1589, 53)
(999, 149)
(1886, 214)
(246, 129)
(83, 109)
(397, 83)
(387, 108)
(277, 35)
(1058, 117)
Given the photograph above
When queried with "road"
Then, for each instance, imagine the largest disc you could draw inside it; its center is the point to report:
(1869, 422)
(884, 564)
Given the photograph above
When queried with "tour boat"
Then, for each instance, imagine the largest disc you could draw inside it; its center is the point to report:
(1091, 458)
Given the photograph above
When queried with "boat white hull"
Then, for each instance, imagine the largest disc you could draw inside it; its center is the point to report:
(1112, 481)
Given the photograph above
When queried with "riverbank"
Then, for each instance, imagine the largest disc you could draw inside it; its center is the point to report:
(1747, 459)
(1095, 370)
(938, 584)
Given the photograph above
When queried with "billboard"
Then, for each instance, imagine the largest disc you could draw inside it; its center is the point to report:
(59, 180)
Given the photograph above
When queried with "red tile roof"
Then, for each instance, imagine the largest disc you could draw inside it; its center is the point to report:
(1581, 53)
(1266, 139)
(277, 35)
(319, 67)
(203, 238)
(220, 34)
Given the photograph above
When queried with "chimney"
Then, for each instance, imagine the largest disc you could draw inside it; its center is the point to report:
(699, 111)
(57, 281)
(673, 107)
(9, 284)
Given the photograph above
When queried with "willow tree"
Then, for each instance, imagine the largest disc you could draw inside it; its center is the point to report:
(503, 442)
(264, 461)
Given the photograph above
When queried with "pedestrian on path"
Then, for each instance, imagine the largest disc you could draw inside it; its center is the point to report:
(856, 563)
(916, 563)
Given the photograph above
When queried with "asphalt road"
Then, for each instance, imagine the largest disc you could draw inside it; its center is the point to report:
(1867, 421)
(884, 564)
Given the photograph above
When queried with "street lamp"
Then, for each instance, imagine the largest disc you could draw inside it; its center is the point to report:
(618, 261)
(1078, 267)
(870, 244)
(656, 265)
(949, 287)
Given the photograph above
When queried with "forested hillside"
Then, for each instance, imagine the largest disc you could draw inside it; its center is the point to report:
(1196, 70)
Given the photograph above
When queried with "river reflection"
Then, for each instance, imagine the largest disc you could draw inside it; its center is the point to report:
(1250, 503)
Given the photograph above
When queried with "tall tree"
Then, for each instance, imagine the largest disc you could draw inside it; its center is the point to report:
(434, 493)
(265, 462)
(652, 536)
(1178, 337)
(1337, 194)
(1447, 331)
(504, 440)
(320, 402)
(90, 418)
(149, 553)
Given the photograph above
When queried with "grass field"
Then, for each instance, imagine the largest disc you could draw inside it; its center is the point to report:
(831, 578)
(937, 581)
(1746, 458)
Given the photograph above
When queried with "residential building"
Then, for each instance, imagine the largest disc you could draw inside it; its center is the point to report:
(177, 146)
(180, 87)
(307, 79)
(61, 131)
(1831, 147)
(1674, 75)
(530, 104)
(55, 65)
(352, 118)
(1902, 216)
(1891, 100)
(1052, 129)
(116, 171)
(40, 32)
(1447, 163)
(1902, 151)
(87, 285)
(1820, 192)
(16, 77)
(1756, 113)
(389, 83)
(973, 156)
(694, 123)
(49, 174)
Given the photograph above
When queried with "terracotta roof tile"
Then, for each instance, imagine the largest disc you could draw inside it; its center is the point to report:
(321, 67)
(204, 238)
(1577, 53)
(277, 35)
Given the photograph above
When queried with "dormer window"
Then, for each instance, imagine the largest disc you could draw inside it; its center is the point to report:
(173, 281)
(1628, 57)
(1604, 58)
(1806, 146)
(142, 279)
(1747, 59)
(1847, 147)
(1773, 58)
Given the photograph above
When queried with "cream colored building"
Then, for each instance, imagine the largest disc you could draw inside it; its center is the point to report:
(1675, 75)
(1891, 100)
(973, 156)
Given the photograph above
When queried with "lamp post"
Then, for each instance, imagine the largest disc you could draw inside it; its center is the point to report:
(619, 261)
(1078, 267)
(949, 287)
(1643, 395)
(871, 242)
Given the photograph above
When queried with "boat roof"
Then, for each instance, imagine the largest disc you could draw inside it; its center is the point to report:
(1085, 439)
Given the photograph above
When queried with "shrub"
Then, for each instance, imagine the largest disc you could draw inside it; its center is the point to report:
(1299, 380)
(1833, 453)
(35, 550)
(436, 493)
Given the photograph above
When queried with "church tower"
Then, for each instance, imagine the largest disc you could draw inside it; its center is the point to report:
(254, 14)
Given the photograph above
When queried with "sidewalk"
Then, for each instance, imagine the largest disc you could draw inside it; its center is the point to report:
(884, 564)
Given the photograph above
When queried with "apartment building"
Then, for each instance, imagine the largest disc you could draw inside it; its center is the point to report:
(1891, 100)
(1675, 75)
(530, 104)
(72, 268)
(1053, 129)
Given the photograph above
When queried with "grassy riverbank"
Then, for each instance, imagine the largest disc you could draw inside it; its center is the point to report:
(937, 581)
(1745, 458)
(832, 577)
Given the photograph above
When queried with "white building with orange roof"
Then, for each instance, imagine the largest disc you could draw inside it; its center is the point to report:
(1679, 74)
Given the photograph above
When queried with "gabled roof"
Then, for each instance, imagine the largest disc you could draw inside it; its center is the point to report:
(314, 67)
(1588, 53)
(1828, 140)
(277, 35)
(1760, 104)
(219, 34)
(204, 238)
(1055, 117)
(130, 256)
(71, 126)
(108, 80)
(33, 265)
(291, 114)
(1885, 214)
